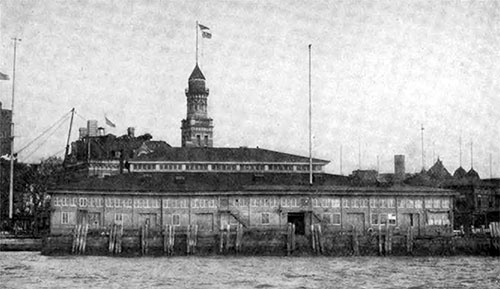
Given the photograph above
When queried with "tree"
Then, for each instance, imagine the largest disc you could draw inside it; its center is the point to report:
(31, 181)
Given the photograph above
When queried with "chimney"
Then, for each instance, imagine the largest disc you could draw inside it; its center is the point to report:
(131, 132)
(399, 168)
(83, 132)
(92, 127)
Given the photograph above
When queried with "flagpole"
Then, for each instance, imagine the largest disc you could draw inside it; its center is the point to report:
(11, 184)
(310, 123)
(423, 153)
(196, 42)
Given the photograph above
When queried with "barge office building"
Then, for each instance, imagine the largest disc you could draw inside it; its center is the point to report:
(212, 188)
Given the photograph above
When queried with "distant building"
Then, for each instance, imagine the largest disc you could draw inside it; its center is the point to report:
(5, 130)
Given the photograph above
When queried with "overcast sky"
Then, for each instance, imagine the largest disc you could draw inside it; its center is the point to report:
(380, 69)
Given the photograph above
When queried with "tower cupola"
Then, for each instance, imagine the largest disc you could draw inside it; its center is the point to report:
(196, 82)
(197, 128)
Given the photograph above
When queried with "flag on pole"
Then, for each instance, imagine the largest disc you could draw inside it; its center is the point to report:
(108, 122)
(205, 31)
(4, 76)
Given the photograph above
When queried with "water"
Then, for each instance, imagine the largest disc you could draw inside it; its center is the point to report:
(31, 270)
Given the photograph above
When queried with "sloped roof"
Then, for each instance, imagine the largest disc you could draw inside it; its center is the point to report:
(459, 173)
(196, 181)
(196, 74)
(205, 183)
(219, 154)
(472, 174)
(438, 171)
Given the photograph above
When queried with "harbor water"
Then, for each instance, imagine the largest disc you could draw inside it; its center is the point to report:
(32, 270)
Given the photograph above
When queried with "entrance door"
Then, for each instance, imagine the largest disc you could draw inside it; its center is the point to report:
(355, 220)
(411, 220)
(82, 217)
(205, 221)
(298, 219)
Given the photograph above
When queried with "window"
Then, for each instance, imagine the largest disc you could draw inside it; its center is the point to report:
(265, 218)
(176, 220)
(336, 219)
(198, 139)
(118, 218)
(206, 140)
(375, 219)
(383, 219)
(64, 218)
(392, 219)
(327, 218)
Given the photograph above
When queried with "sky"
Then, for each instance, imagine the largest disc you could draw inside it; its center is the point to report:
(379, 71)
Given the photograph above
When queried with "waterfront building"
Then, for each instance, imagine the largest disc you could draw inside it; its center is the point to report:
(267, 201)
(212, 187)
(101, 155)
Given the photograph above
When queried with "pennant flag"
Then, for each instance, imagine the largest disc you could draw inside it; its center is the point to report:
(205, 31)
(4, 76)
(110, 123)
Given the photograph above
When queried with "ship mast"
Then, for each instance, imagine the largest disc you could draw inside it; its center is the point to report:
(11, 183)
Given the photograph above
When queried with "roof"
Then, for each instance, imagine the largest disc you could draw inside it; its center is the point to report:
(459, 173)
(196, 74)
(438, 171)
(220, 183)
(472, 174)
(219, 154)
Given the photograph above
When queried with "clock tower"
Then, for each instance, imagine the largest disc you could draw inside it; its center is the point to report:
(197, 128)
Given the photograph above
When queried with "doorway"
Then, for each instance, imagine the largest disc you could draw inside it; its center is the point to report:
(298, 219)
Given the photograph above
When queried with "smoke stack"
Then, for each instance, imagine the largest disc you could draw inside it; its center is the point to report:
(131, 132)
(92, 127)
(399, 168)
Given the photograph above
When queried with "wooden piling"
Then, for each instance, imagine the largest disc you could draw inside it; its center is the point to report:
(168, 239)
(141, 230)
(111, 240)
(239, 237)
(386, 239)
(288, 239)
(355, 241)
(76, 232)
(313, 241)
(320, 239)
(188, 240)
(195, 239)
(119, 238)
(84, 238)
(409, 240)
(228, 237)
(380, 243)
(144, 239)
(388, 249)
(221, 238)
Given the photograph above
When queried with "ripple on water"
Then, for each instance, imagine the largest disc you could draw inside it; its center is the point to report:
(25, 270)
